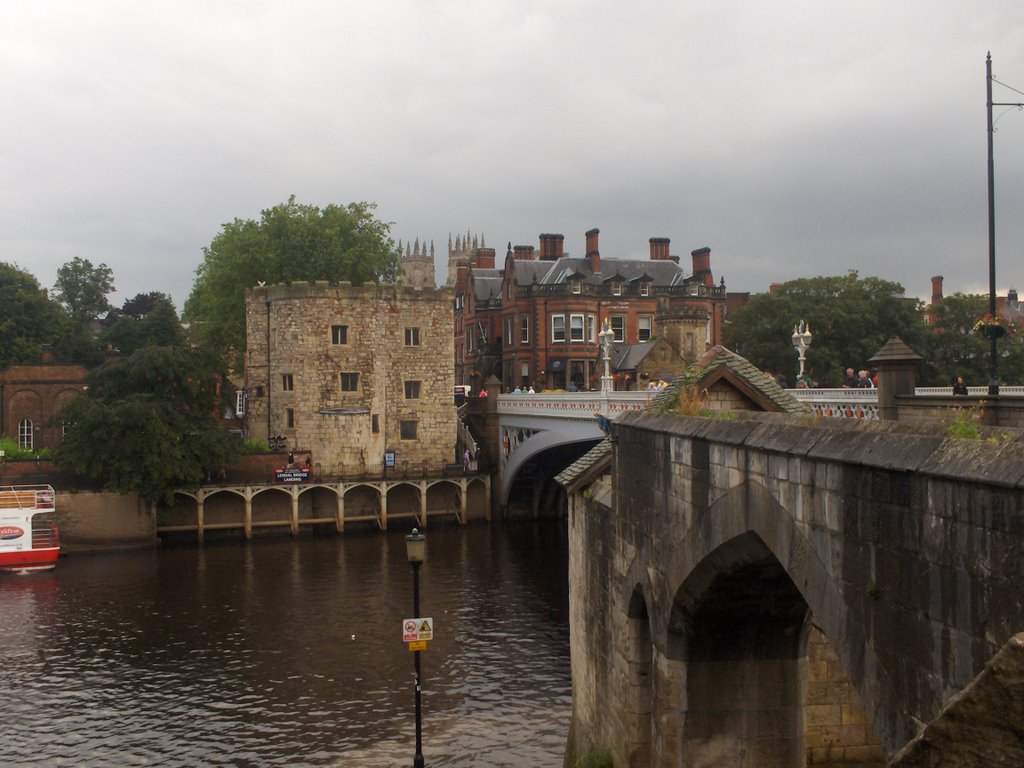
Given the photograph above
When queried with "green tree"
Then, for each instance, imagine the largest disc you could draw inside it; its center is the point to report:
(82, 289)
(28, 318)
(146, 319)
(289, 242)
(850, 319)
(955, 349)
(147, 423)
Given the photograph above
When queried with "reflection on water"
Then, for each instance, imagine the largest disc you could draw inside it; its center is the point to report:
(290, 653)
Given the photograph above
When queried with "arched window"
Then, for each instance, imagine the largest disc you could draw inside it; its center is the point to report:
(25, 433)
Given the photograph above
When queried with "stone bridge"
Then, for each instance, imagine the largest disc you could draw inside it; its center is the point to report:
(796, 591)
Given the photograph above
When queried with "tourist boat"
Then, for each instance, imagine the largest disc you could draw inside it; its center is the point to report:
(28, 528)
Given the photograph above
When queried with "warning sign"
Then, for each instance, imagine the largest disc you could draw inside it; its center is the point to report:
(417, 629)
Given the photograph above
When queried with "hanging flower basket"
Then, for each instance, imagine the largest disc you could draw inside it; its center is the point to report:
(990, 327)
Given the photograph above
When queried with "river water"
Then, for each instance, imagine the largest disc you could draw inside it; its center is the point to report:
(290, 653)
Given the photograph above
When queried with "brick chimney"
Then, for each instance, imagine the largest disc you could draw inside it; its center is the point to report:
(559, 241)
(524, 252)
(937, 289)
(659, 248)
(484, 258)
(593, 254)
(702, 266)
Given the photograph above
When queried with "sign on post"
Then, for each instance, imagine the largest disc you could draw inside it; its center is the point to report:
(416, 630)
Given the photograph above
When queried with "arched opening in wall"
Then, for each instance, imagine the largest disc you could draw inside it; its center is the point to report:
(534, 492)
(639, 691)
(764, 687)
(739, 621)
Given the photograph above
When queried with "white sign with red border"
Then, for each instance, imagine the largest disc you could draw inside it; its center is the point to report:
(414, 630)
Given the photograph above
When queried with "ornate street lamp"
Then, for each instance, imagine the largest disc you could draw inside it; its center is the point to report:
(415, 549)
(801, 341)
(606, 335)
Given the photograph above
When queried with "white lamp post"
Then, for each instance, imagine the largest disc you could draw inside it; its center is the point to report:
(606, 335)
(801, 341)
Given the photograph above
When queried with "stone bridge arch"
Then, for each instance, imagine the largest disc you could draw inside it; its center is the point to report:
(743, 549)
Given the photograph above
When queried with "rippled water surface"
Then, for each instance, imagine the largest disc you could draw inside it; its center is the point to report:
(290, 653)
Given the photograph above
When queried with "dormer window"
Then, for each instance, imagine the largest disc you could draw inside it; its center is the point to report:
(576, 287)
(616, 288)
(645, 289)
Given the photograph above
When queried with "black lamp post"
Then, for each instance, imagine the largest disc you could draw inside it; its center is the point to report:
(993, 332)
(415, 548)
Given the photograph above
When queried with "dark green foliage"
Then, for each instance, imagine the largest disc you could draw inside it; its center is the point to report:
(82, 289)
(289, 242)
(147, 320)
(955, 349)
(850, 319)
(147, 423)
(28, 318)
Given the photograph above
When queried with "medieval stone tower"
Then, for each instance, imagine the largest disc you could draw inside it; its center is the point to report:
(462, 250)
(418, 264)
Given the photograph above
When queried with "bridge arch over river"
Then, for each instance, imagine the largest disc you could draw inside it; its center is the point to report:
(766, 592)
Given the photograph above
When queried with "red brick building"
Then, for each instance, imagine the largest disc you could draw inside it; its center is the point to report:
(32, 393)
(536, 321)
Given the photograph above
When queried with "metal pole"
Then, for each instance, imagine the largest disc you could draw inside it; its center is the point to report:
(993, 382)
(417, 760)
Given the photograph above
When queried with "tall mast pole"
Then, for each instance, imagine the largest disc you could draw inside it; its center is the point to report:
(993, 383)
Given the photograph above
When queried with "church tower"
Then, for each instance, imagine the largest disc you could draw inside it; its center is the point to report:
(417, 264)
(461, 252)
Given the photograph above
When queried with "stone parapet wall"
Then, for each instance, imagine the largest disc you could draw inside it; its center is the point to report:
(98, 520)
(725, 537)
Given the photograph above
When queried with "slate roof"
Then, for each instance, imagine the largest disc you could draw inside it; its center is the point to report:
(626, 357)
(486, 284)
(719, 360)
(661, 272)
(591, 463)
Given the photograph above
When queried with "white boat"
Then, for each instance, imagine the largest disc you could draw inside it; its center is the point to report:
(29, 540)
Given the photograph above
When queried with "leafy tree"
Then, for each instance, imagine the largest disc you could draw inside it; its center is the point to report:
(146, 319)
(289, 242)
(147, 423)
(28, 318)
(850, 319)
(82, 289)
(955, 349)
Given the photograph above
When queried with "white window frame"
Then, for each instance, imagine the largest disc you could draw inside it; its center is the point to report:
(510, 321)
(640, 322)
(556, 322)
(591, 329)
(620, 332)
(574, 337)
(616, 288)
(412, 336)
(339, 334)
(524, 329)
(26, 434)
(576, 287)
(645, 289)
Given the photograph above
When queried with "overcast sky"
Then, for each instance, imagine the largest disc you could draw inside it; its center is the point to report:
(793, 139)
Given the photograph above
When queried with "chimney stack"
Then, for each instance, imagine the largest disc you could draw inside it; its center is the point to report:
(524, 252)
(484, 258)
(937, 289)
(593, 254)
(702, 266)
(659, 248)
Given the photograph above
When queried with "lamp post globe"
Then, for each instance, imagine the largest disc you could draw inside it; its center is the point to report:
(801, 339)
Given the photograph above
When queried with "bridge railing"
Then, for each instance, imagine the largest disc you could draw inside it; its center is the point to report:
(834, 403)
(573, 405)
